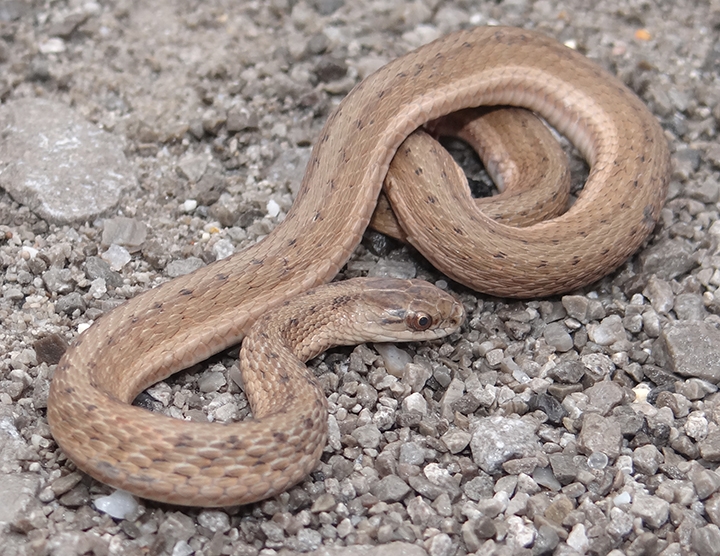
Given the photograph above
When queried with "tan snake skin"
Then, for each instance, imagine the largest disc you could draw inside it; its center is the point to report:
(190, 318)
(518, 151)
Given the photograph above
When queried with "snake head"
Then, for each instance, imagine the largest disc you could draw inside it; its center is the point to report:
(407, 310)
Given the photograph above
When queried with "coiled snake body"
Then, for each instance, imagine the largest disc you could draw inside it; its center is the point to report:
(190, 318)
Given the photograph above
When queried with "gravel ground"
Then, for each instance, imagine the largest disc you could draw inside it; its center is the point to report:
(587, 423)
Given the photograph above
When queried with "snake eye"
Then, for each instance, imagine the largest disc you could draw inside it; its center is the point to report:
(418, 321)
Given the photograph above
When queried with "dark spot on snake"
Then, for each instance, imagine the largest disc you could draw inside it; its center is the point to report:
(110, 341)
(432, 200)
(359, 124)
(185, 291)
(401, 75)
(184, 440)
(308, 423)
(381, 94)
(458, 231)
(292, 242)
(280, 436)
(340, 300)
(419, 69)
(69, 390)
(418, 171)
(222, 277)
(500, 255)
(90, 407)
(234, 441)
(635, 183)
(109, 470)
(259, 262)
(318, 216)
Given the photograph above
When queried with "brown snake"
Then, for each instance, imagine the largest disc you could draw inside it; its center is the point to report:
(188, 319)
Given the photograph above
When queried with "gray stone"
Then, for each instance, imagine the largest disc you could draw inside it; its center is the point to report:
(441, 545)
(211, 381)
(557, 336)
(546, 540)
(479, 487)
(420, 512)
(710, 447)
(599, 434)
(705, 481)
(367, 436)
(667, 259)
(598, 365)
(390, 489)
(497, 439)
(215, 520)
(62, 167)
(647, 459)
(126, 232)
(386, 268)
(695, 388)
(17, 495)
(181, 267)
(690, 349)
(569, 372)
(660, 295)
(95, 268)
(604, 396)
(689, 307)
(652, 510)
(576, 306)
(706, 540)
(389, 549)
(476, 531)
(456, 440)
(66, 483)
(411, 453)
(609, 331)
(564, 467)
(712, 508)
(70, 303)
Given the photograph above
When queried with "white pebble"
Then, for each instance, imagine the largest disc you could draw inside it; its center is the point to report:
(118, 505)
(189, 205)
(622, 498)
(415, 402)
(54, 45)
(273, 208)
(395, 358)
(116, 256)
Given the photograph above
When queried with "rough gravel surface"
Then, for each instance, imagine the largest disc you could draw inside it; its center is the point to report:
(582, 424)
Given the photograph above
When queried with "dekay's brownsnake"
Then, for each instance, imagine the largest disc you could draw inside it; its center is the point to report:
(188, 319)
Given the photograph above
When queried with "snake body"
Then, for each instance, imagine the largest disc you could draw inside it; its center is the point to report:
(188, 319)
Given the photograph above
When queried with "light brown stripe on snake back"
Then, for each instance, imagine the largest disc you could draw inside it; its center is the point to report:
(190, 318)
(520, 154)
